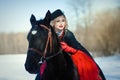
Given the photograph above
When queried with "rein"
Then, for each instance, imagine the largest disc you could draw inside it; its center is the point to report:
(49, 40)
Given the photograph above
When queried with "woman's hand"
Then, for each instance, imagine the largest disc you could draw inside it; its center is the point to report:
(67, 48)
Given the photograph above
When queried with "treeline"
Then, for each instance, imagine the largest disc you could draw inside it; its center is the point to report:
(13, 43)
(102, 35)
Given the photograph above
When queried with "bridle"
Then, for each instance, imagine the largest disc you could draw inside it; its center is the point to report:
(49, 40)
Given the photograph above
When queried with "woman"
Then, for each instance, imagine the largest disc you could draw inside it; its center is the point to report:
(87, 68)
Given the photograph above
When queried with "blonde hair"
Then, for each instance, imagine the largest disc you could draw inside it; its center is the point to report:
(52, 22)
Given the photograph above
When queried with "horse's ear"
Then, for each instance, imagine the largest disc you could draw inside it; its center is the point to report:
(33, 20)
(47, 17)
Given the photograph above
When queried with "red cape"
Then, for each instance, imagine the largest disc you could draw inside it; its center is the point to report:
(86, 66)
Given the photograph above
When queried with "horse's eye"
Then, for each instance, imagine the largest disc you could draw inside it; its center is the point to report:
(34, 32)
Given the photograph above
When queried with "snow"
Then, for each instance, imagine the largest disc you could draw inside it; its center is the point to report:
(12, 67)
(110, 66)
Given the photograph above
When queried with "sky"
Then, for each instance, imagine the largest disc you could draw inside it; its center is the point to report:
(15, 14)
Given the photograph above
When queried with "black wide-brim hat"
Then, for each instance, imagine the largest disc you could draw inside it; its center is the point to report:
(56, 14)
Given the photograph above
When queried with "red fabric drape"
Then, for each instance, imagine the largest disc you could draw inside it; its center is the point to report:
(42, 68)
(87, 68)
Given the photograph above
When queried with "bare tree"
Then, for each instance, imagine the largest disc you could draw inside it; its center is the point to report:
(106, 31)
(81, 8)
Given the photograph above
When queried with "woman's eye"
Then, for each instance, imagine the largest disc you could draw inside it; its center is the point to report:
(63, 20)
(57, 21)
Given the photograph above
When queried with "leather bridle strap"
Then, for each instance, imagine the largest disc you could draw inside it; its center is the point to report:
(35, 50)
(49, 39)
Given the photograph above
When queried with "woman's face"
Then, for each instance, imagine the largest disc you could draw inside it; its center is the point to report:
(59, 23)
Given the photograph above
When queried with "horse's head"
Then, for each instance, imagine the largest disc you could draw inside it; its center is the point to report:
(42, 38)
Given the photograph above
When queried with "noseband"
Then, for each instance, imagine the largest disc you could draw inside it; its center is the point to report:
(49, 39)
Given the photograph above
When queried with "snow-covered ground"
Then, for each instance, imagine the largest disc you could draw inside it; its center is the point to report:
(110, 66)
(12, 67)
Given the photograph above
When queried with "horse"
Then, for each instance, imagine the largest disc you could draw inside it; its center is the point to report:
(45, 56)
